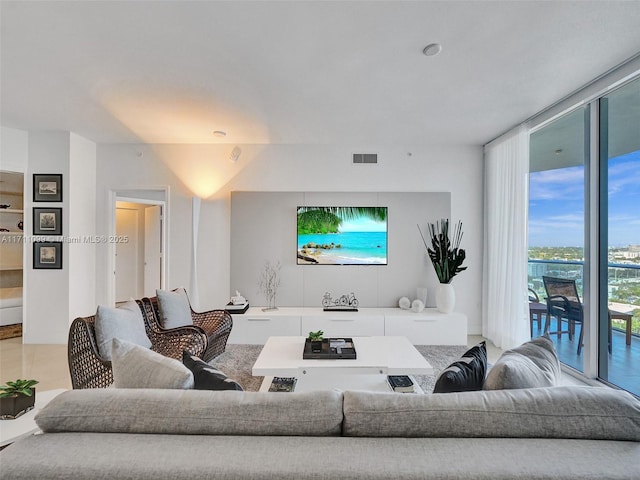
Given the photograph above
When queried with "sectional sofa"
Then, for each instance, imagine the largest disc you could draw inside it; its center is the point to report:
(565, 432)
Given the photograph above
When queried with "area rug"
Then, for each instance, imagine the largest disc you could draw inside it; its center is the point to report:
(237, 361)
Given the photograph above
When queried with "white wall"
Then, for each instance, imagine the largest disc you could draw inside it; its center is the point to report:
(82, 208)
(207, 170)
(53, 298)
(46, 292)
(263, 227)
(127, 167)
(14, 150)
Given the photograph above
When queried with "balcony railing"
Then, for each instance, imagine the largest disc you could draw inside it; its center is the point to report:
(623, 287)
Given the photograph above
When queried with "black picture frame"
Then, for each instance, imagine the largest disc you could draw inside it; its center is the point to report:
(47, 187)
(47, 255)
(47, 221)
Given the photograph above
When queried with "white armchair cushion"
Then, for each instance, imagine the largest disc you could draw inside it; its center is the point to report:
(124, 322)
(137, 367)
(174, 308)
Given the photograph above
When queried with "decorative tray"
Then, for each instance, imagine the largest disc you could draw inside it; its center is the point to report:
(236, 309)
(329, 349)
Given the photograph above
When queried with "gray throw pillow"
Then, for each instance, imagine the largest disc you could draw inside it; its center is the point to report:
(533, 364)
(124, 322)
(174, 308)
(137, 367)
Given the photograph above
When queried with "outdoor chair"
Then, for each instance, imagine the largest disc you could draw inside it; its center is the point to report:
(214, 324)
(88, 369)
(536, 310)
(564, 303)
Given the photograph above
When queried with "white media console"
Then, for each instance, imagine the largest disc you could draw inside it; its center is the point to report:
(429, 327)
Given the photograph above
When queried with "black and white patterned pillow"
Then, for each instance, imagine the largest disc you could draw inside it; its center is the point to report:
(207, 377)
(466, 374)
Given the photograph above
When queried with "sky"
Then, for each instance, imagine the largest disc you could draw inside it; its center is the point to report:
(556, 204)
(363, 224)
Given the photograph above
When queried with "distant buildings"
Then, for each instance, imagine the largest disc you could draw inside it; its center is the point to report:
(632, 252)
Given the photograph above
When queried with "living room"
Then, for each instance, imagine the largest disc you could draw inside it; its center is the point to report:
(191, 103)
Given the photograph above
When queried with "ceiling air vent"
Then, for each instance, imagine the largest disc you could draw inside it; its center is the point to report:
(365, 158)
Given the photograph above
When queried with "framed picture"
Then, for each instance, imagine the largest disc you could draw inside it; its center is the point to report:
(47, 221)
(47, 187)
(47, 255)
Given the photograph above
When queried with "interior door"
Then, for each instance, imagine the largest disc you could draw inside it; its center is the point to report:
(152, 250)
(127, 254)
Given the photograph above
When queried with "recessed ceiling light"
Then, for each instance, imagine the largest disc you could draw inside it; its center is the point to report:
(219, 134)
(432, 49)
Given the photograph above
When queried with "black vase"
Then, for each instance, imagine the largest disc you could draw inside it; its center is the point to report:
(15, 405)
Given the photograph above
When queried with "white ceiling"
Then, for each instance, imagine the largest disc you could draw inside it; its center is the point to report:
(303, 72)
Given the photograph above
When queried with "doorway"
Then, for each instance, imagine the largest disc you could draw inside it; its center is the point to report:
(138, 249)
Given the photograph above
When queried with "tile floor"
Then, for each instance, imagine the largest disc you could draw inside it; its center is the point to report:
(45, 363)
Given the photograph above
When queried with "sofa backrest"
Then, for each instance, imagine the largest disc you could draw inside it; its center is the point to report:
(193, 412)
(553, 412)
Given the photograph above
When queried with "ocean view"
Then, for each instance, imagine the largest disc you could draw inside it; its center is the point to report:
(355, 247)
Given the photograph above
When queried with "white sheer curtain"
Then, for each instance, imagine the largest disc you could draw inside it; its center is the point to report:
(505, 315)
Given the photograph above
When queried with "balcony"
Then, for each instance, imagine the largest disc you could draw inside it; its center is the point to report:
(624, 297)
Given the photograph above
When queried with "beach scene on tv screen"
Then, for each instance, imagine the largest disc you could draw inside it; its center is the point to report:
(342, 235)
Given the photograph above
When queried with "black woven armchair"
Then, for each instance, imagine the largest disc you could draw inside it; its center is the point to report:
(89, 370)
(215, 324)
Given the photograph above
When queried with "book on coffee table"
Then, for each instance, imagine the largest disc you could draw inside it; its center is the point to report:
(283, 384)
(400, 383)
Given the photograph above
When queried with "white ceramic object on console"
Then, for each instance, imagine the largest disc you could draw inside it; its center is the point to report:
(417, 306)
(404, 303)
(445, 298)
(421, 294)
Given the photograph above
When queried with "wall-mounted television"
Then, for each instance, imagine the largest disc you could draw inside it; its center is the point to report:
(342, 236)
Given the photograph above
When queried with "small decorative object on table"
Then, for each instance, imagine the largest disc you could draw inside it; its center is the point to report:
(315, 339)
(400, 383)
(417, 306)
(269, 282)
(238, 304)
(346, 303)
(17, 398)
(404, 303)
(330, 349)
(283, 384)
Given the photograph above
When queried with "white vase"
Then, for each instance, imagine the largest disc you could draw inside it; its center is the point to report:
(445, 298)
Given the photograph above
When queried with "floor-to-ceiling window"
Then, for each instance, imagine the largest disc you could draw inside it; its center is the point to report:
(562, 230)
(620, 235)
(557, 219)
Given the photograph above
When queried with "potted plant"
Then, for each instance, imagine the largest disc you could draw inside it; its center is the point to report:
(316, 341)
(447, 258)
(17, 398)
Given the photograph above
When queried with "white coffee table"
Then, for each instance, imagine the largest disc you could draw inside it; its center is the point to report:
(12, 430)
(377, 357)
